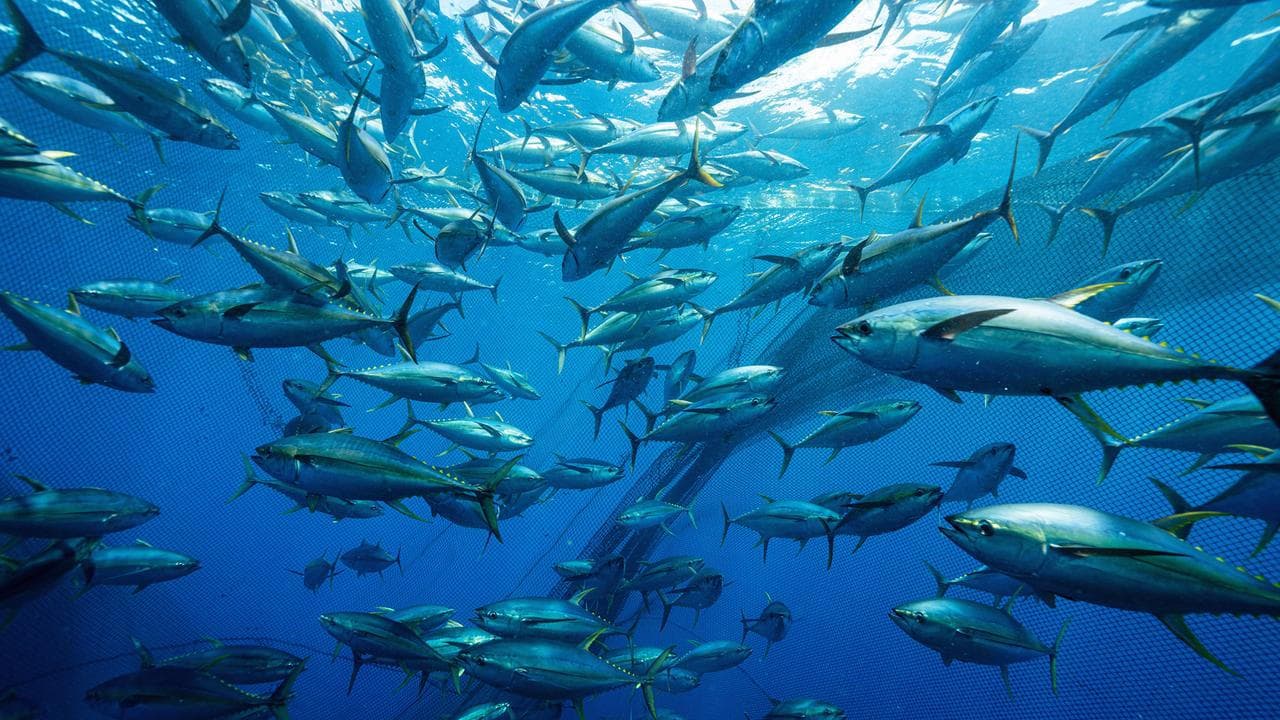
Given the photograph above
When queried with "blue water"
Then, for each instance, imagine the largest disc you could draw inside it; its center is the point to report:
(181, 447)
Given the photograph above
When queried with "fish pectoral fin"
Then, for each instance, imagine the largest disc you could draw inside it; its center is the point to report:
(20, 347)
(943, 130)
(239, 311)
(949, 329)
(949, 394)
(1177, 625)
(1075, 296)
(122, 356)
(789, 262)
(1093, 551)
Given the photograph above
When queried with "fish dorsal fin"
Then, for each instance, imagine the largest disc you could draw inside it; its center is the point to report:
(215, 642)
(73, 305)
(35, 485)
(293, 241)
(112, 332)
(829, 413)
(169, 280)
(767, 499)
(1071, 298)
(499, 416)
(628, 42)
(577, 599)
(142, 543)
(918, 220)
(1196, 403)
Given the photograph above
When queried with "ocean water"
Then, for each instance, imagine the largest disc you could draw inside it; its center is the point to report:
(181, 448)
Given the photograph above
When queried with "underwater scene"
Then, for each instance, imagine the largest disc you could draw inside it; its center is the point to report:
(625, 359)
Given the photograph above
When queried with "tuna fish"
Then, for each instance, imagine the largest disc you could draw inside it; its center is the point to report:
(981, 474)
(157, 101)
(792, 519)
(178, 691)
(139, 565)
(969, 632)
(946, 141)
(887, 510)
(1110, 560)
(964, 343)
(862, 423)
(94, 356)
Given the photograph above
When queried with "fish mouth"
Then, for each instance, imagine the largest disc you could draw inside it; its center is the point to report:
(163, 322)
(953, 530)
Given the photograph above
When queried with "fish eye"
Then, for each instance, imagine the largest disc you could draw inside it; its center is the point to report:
(1125, 273)
(919, 493)
(864, 328)
(920, 618)
(986, 528)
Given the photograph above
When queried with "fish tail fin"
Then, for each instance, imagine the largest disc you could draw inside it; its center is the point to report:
(1055, 219)
(1006, 201)
(745, 624)
(1045, 139)
(1109, 438)
(634, 440)
(1194, 128)
(724, 513)
(215, 225)
(788, 450)
(560, 350)
(756, 135)
(29, 46)
(1264, 383)
(250, 479)
(398, 551)
(938, 580)
(1179, 505)
(1053, 656)
(666, 610)
(646, 682)
(863, 192)
(493, 289)
(695, 171)
(708, 317)
(1108, 219)
(597, 414)
(401, 324)
(584, 314)
(650, 417)
(279, 699)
